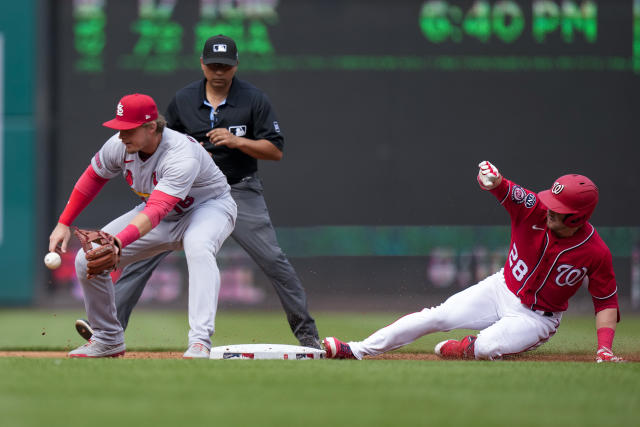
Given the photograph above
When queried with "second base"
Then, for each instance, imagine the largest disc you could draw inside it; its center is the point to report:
(266, 351)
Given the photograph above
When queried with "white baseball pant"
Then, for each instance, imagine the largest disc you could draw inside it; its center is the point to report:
(506, 325)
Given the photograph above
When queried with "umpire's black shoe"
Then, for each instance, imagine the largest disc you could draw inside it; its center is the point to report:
(84, 329)
(313, 342)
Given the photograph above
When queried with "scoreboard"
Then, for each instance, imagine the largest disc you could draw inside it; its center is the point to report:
(386, 106)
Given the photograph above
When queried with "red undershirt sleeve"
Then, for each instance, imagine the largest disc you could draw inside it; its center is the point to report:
(501, 191)
(158, 206)
(86, 188)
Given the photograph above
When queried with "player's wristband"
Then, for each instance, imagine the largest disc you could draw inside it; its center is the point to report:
(129, 235)
(605, 337)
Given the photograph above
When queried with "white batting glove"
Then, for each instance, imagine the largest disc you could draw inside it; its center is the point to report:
(606, 355)
(488, 176)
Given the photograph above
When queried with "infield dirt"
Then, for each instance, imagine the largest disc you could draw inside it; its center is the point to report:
(634, 357)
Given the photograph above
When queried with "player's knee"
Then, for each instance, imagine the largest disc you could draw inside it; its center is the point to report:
(81, 263)
(439, 325)
(196, 247)
(437, 319)
(270, 254)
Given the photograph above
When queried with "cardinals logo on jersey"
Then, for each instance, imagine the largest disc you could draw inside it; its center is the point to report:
(568, 275)
(129, 178)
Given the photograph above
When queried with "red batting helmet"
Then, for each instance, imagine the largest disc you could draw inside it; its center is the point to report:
(575, 195)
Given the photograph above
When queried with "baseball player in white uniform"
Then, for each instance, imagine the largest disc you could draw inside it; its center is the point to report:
(186, 205)
(553, 251)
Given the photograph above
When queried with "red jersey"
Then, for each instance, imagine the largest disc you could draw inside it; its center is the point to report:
(545, 270)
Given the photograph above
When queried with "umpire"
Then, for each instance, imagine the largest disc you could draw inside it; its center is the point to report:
(236, 123)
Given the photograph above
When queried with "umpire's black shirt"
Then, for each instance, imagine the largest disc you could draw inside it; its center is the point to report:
(246, 112)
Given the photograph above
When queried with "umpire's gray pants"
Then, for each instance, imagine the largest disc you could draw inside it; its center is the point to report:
(255, 234)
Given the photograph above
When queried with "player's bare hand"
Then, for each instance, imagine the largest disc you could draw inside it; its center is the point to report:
(59, 236)
(488, 175)
(606, 355)
(222, 136)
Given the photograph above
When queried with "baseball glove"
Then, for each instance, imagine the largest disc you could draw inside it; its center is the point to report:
(103, 258)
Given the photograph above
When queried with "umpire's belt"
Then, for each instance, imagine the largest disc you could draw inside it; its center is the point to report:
(235, 180)
(249, 177)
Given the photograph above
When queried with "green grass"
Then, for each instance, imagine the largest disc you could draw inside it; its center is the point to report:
(167, 330)
(52, 392)
(170, 392)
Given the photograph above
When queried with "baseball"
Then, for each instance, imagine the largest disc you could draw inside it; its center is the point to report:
(52, 260)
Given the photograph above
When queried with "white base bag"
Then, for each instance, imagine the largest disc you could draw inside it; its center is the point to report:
(265, 351)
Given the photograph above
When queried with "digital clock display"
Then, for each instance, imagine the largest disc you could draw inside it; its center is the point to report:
(506, 21)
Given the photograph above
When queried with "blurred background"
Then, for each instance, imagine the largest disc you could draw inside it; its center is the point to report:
(387, 107)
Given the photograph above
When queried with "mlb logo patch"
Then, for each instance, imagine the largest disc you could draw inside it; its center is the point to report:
(530, 200)
(276, 126)
(238, 130)
(232, 356)
(219, 47)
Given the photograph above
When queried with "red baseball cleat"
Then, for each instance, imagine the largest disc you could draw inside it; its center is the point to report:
(453, 349)
(337, 349)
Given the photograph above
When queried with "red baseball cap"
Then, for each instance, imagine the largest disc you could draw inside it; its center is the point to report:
(573, 194)
(133, 111)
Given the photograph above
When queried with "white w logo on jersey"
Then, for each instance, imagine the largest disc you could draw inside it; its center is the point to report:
(568, 275)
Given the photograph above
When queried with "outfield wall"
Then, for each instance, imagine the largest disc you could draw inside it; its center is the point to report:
(364, 268)
(387, 107)
(18, 191)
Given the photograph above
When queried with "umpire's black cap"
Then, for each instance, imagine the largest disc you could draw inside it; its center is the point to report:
(220, 50)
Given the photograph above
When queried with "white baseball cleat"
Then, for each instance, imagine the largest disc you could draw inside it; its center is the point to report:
(196, 351)
(98, 349)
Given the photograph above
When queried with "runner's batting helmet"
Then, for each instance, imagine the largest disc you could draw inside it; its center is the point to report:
(575, 195)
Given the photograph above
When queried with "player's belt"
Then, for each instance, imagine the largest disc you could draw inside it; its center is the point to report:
(143, 195)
